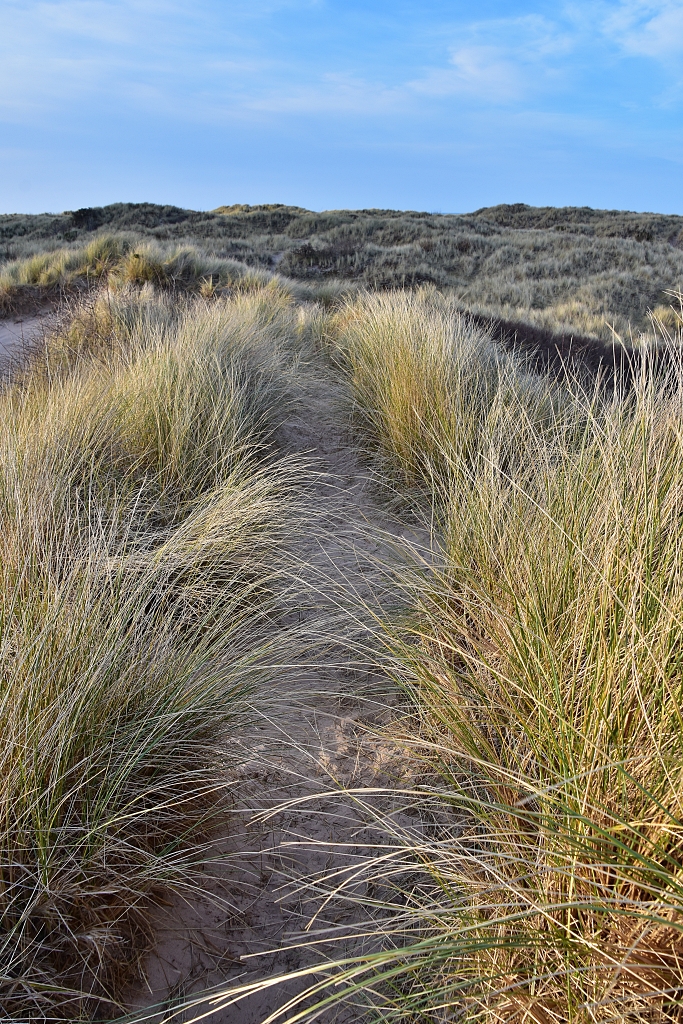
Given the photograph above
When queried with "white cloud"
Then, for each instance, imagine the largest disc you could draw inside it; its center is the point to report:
(101, 22)
(107, 22)
(500, 60)
(482, 72)
(54, 52)
(646, 28)
(497, 62)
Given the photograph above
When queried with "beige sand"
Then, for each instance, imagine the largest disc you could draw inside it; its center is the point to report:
(17, 332)
(319, 738)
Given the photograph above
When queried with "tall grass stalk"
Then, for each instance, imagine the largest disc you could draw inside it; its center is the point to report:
(542, 658)
(545, 664)
(142, 528)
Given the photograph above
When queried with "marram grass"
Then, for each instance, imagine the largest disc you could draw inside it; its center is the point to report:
(538, 647)
(433, 391)
(124, 260)
(541, 656)
(140, 558)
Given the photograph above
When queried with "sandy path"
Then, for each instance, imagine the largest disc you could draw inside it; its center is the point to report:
(318, 736)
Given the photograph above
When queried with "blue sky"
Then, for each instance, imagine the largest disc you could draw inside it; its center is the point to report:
(434, 105)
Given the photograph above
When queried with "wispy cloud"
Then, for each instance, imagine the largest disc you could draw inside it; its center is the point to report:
(206, 63)
(56, 52)
(500, 60)
(482, 72)
(646, 28)
(332, 93)
(530, 57)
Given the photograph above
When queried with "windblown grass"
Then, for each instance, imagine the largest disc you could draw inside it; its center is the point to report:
(431, 389)
(143, 520)
(567, 270)
(142, 528)
(124, 260)
(542, 657)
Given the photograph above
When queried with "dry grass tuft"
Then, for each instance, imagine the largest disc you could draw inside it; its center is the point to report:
(122, 261)
(141, 556)
(542, 660)
(430, 385)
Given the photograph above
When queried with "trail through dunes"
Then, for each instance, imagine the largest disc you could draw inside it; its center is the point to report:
(257, 919)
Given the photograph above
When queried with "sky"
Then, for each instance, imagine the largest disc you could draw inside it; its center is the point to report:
(329, 104)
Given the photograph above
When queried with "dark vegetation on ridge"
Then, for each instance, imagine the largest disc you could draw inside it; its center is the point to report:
(575, 270)
(562, 354)
(555, 283)
(293, 223)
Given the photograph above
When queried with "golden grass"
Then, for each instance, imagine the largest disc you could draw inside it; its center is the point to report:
(418, 368)
(124, 260)
(539, 652)
(121, 260)
(542, 657)
(141, 553)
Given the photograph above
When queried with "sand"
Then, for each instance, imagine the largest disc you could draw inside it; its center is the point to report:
(17, 332)
(323, 735)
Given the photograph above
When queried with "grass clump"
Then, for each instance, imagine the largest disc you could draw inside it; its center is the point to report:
(542, 659)
(123, 260)
(430, 386)
(547, 670)
(141, 543)
(57, 270)
(185, 267)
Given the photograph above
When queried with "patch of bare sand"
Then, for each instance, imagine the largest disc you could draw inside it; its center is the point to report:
(256, 919)
(18, 333)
